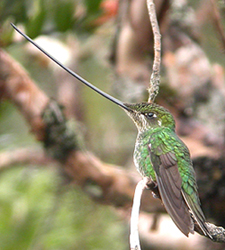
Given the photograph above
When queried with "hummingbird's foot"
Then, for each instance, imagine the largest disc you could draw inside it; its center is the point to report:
(150, 184)
(153, 186)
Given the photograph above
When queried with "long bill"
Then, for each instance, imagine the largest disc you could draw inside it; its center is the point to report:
(109, 97)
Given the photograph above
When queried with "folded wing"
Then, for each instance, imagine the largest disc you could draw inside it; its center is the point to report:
(169, 183)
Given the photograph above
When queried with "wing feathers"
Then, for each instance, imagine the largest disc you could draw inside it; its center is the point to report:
(169, 183)
(168, 159)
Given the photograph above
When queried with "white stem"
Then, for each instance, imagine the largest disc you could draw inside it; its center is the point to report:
(134, 235)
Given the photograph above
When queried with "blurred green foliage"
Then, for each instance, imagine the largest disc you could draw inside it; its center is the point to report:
(92, 6)
(37, 212)
(41, 16)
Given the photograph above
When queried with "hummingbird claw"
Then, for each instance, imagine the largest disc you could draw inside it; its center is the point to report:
(153, 186)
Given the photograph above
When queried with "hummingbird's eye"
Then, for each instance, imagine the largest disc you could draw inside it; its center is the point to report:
(150, 115)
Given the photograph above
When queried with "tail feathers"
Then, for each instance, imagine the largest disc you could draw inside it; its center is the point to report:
(197, 214)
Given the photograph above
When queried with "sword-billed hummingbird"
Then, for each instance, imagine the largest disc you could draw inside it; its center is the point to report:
(161, 156)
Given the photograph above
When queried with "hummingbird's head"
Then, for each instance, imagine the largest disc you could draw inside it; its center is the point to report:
(149, 115)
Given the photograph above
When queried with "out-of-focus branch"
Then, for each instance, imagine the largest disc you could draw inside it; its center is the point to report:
(16, 86)
(23, 156)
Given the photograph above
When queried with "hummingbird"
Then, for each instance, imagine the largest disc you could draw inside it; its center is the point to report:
(160, 155)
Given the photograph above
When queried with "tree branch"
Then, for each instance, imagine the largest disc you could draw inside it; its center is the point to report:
(16, 86)
(155, 76)
(134, 233)
(23, 156)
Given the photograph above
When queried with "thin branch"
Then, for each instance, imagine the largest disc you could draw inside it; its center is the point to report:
(155, 76)
(134, 234)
